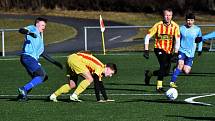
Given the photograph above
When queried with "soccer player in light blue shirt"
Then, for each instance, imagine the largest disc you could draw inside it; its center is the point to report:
(189, 32)
(33, 48)
(33, 45)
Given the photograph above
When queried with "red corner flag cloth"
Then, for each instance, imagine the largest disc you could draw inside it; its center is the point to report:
(102, 24)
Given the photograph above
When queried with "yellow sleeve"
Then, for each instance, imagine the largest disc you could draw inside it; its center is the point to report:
(99, 71)
(177, 33)
(153, 30)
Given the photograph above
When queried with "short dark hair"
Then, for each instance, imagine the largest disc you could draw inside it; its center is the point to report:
(167, 9)
(40, 19)
(190, 16)
(112, 66)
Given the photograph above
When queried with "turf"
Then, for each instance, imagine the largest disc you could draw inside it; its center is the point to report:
(134, 100)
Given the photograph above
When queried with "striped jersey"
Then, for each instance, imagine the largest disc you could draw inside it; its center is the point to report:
(92, 63)
(165, 35)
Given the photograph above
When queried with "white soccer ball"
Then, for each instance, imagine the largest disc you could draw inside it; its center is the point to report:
(171, 94)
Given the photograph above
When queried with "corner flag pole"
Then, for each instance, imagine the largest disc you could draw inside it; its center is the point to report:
(103, 43)
(102, 30)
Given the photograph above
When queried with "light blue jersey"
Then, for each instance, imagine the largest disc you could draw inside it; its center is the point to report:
(208, 36)
(187, 44)
(33, 46)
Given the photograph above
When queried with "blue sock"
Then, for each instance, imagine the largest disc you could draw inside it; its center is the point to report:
(34, 82)
(175, 75)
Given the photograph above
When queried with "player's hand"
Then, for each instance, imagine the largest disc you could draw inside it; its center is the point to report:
(198, 39)
(199, 53)
(58, 64)
(146, 54)
(32, 34)
(174, 58)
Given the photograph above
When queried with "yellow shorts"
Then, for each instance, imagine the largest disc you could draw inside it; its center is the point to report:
(75, 63)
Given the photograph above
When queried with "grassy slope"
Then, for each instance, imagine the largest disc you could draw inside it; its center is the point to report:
(128, 18)
(53, 33)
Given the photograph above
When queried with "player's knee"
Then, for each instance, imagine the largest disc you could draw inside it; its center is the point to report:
(90, 79)
(186, 71)
(180, 66)
(72, 84)
(41, 73)
(166, 71)
(166, 67)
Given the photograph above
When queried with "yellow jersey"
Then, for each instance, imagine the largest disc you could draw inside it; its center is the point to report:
(82, 62)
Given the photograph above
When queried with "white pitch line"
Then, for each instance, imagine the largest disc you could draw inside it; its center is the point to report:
(64, 56)
(191, 99)
(17, 58)
(114, 38)
(44, 95)
(116, 94)
(7, 59)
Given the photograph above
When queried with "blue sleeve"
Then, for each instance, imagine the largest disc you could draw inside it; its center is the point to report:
(29, 27)
(208, 36)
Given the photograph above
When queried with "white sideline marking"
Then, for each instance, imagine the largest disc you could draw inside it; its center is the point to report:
(87, 95)
(191, 99)
(17, 58)
(6, 59)
(63, 56)
(114, 38)
(117, 94)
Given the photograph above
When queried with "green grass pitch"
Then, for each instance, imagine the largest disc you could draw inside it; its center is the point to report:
(134, 100)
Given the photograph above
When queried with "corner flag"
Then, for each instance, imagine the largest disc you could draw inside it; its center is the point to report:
(102, 26)
(102, 30)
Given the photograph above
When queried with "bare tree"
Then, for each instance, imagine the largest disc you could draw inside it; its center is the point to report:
(179, 6)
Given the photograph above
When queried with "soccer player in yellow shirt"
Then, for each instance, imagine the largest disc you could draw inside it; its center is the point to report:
(166, 34)
(91, 69)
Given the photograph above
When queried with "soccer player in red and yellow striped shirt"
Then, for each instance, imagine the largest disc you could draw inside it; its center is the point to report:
(91, 69)
(167, 35)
